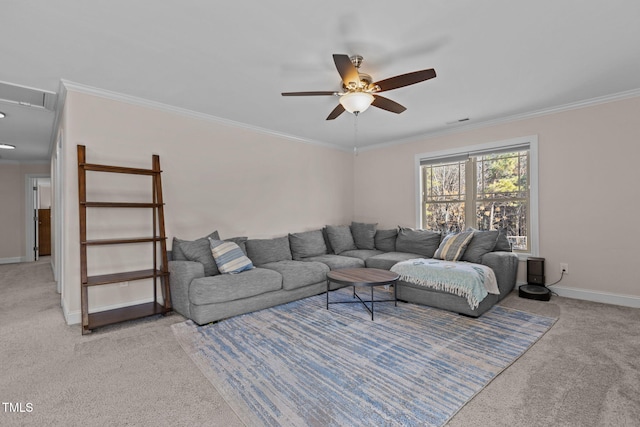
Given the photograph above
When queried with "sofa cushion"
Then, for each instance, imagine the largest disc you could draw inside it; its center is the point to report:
(230, 287)
(196, 250)
(335, 262)
(482, 242)
(423, 242)
(364, 234)
(363, 254)
(297, 274)
(387, 260)
(453, 246)
(306, 244)
(264, 251)
(340, 238)
(229, 257)
(385, 240)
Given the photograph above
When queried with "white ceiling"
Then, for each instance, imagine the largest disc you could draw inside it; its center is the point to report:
(494, 59)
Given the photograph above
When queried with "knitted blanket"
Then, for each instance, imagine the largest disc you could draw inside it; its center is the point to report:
(471, 281)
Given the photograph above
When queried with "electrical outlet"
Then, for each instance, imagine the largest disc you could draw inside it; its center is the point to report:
(564, 268)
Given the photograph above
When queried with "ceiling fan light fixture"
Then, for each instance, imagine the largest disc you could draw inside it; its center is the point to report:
(356, 102)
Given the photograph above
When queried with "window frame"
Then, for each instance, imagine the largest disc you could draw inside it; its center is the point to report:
(487, 148)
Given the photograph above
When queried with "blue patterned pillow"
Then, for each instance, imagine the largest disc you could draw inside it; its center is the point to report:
(453, 246)
(229, 257)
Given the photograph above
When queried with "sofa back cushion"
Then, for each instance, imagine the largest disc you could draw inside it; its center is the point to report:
(364, 235)
(385, 240)
(482, 243)
(307, 244)
(340, 238)
(263, 251)
(196, 250)
(502, 244)
(423, 242)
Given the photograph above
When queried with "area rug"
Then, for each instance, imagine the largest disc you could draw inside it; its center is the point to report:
(299, 364)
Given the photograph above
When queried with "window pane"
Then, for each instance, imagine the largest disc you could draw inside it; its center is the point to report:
(503, 176)
(447, 217)
(503, 194)
(512, 216)
(444, 182)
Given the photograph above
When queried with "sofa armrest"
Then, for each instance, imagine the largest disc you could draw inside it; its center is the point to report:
(181, 275)
(505, 267)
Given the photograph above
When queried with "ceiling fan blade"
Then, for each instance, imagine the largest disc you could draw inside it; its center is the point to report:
(336, 112)
(405, 79)
(347, 70)
(387, 104)
(317, 93)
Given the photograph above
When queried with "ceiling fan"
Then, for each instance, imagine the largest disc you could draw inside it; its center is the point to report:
(359, 91)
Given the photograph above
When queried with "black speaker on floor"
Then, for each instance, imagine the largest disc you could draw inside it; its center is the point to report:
(535, 288)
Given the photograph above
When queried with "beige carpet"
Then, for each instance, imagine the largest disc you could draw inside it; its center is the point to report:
(584, 372)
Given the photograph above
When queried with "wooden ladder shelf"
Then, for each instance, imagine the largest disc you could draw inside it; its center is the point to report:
(158, 239)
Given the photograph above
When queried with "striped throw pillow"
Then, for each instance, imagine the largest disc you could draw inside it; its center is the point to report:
(229, 257)
(453, 246)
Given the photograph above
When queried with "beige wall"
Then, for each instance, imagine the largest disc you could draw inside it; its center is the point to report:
(587, 191)
(12, 208)
(215, 177)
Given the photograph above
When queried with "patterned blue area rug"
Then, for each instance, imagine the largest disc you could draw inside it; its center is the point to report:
(300, 364)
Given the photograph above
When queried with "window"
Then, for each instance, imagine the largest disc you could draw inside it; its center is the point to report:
(488, 187)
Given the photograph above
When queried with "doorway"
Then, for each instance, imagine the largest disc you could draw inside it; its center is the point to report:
(38, 216)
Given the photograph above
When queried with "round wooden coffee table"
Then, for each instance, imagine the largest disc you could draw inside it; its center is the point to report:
(370, 277)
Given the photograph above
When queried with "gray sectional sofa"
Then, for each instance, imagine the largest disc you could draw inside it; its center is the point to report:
(292, 267)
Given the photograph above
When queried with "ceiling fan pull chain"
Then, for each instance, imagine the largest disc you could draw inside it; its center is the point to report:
(355, 133)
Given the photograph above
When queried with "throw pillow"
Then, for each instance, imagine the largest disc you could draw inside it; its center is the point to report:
(264, 251)
(307, 244)
(422, 242)
(386, 240)
(340, 238)
(229, 257)
(364, 235)
(196, 250)
(453, 246)
(482, 243)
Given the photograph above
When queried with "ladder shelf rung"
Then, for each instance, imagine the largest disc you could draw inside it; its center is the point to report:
(120, 205)
(117, 169)
(122, 241)
(132, 312)
(105, 279)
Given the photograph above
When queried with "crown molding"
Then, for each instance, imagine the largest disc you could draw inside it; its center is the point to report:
(24, 162)
(141, 102)
(513, 118)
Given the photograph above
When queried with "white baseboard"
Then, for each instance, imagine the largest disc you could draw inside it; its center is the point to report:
(13, 260)
(71, 317)
(75, 317)
(595, 296)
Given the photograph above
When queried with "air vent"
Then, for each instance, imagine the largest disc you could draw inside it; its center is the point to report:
(27, 96)
(458, 121)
